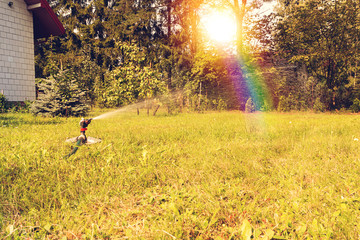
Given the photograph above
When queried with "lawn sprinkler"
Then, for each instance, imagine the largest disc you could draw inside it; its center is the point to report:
(83, 124)
(82, 139)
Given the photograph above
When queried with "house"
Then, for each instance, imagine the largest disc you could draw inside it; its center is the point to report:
(21, 23)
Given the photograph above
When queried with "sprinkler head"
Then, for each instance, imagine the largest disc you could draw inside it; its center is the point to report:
(84, 123)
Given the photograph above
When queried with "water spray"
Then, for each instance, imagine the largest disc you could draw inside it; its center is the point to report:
(84, 123)
(82, 139)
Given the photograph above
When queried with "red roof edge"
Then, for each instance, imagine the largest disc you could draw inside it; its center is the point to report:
(53, 16)
(46, 23)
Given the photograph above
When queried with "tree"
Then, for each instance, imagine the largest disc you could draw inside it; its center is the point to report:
(322, 36)
(61, 96)
(130, 81)
(92, 30)
(239, 10)
(181, 20)
(166, 33)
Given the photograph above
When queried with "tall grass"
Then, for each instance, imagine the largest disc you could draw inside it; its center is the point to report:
(223, 175)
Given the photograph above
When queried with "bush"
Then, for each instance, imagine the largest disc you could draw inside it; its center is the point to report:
(18, 107)
(61, 96)
(319, 106)
(250, 106)
(266, 107)
(355, 107)
(285, 104)
(3, 103)
(220, 104)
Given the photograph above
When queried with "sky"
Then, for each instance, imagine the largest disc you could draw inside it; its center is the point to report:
(266, 8)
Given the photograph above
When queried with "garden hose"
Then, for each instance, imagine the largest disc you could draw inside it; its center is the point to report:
(82, 139)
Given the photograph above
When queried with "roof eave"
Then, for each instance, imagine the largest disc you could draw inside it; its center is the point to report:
(46, 23)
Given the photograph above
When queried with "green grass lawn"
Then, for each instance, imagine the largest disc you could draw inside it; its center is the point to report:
(215, 175)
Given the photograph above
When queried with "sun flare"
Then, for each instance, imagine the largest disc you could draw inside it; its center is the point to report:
(220, 26)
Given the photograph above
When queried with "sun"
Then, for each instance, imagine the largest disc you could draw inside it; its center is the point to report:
(220, 26)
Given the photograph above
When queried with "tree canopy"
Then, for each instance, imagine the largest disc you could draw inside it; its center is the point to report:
(324, 36)
(123, 51)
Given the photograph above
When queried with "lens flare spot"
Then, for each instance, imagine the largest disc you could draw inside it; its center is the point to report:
(220, 26)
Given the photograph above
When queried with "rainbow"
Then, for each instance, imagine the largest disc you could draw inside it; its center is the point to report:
(245, 74)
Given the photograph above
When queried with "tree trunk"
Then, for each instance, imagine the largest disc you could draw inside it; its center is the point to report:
(239, 14)
(169, 25)
(194, 25)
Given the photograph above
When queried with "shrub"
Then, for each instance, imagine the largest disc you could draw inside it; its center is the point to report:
(219, 104)
(18, 107)
(355, 107)
(250, 106)
(131, 81)
(286, 104)
(3, 103)
(61, 96)
(266, 107)
(282, 105)
(319, 106)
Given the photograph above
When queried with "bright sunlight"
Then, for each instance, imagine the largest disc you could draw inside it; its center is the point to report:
(220, 26)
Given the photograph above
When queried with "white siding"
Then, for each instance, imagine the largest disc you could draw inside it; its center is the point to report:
(17, 67)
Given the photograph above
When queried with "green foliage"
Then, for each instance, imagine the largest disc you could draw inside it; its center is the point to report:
(319, 106)
(207, 68)
(20, 107)
(219, 104)
(121, 86)
(3, 103)
(355, 107)
(302, 36)
(94, 28)
(266, 107)
(283, 105)
(61, 96)
(250, 106)
(88, 77)
(207, 87)
(130, 82)
(150, 83)
(173, 52)
(291, 103)
(255, 84)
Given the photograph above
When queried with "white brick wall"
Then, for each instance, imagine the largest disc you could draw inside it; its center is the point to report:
(17, 67)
